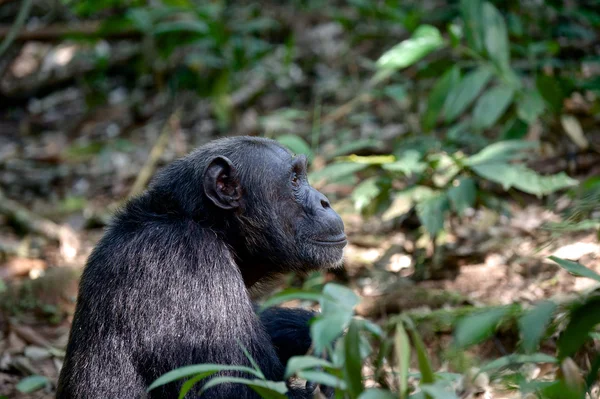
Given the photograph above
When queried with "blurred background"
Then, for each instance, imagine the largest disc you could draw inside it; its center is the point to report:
(459, 140)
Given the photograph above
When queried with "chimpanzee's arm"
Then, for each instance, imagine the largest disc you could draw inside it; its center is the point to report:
(289, 330)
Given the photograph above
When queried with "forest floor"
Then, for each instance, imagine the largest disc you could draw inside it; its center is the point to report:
(486, 260)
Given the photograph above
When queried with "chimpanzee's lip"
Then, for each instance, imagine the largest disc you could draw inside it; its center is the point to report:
(335, 241)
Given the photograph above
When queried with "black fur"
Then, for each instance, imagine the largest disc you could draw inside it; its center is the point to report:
(167, 285)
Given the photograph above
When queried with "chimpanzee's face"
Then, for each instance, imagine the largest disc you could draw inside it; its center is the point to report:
(284, 220)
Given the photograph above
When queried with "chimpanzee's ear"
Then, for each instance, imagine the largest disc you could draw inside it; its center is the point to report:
(221, 184)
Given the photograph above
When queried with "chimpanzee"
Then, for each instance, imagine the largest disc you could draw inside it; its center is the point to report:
(167, 285)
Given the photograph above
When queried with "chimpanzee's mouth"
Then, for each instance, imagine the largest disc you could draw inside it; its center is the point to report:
(340, 240)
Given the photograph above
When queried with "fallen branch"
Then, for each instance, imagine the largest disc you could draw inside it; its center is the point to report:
(58, 31)
(69, 243)
(159, 147)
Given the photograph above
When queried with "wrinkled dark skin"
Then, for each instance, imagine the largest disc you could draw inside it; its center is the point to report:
(167, 285)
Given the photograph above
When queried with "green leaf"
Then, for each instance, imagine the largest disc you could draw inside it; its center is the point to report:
(32, 383)
(206, 369)
(409, 163)
(465, 92)
(475, 328)
(472, 14)
(266, 389)
(404, 200)
(369, 159)
(290, 294)
(353, 363)
(523, 178)
(180, 26)
(576, 268)
(353, 146)
(141, 19)
(323, 378)
(530, 106)
(296, 144)
(337, 308)
(583, 319)
(534, 324)
(366, 192)
(513, 359)
(424, 40)
(299, 363)
(438, 95)
(402, 347)
(396, 92)
(427, 374)
(491, 106)
(551, 91)
(495, 36)
(369, 326)
(337, 171)
(438, 391)
(501, 151)
(431, 213)
(514, 129)
(463, 195)
(189, 384)
(376, 393)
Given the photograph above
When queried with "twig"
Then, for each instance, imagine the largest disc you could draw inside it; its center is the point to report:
(16, 27)
(57, 31)
(346, 108)
(159, 147)
(69, 243)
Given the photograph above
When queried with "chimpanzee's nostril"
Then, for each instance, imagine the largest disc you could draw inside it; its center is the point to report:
(325, 204)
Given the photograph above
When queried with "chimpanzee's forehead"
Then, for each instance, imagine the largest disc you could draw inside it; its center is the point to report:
(277, 156)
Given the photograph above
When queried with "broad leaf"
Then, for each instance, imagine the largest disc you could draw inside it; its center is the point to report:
(495, 35)
(438, 95)
(491, 106)
(501, 151)
(530, 106)
(475, 328)
(337, 309)
(472, 14)
(576, 268)
(551, 91)
(404, 200)
(299, 363)
(431, 213)
(409, 163)
(514, 129)
(510, 360)
(465, 92)
(582, 320)
(366, 192)
(463, 195)
(424, 40)
(534, 324)
(427, 375)
(524, 179)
